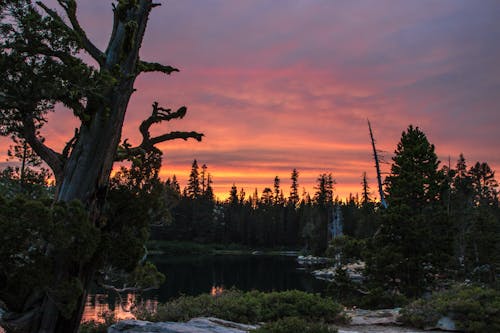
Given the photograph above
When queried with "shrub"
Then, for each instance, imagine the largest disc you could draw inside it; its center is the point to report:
(294, 325)
(248, 307)
(473, 308)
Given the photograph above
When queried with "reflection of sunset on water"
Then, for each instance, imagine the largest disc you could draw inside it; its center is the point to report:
(216, 290)
(99, 304)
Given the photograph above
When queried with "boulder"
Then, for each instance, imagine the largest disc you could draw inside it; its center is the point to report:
(446, 324)
(374, 317)
(310, 260)
(196, 325)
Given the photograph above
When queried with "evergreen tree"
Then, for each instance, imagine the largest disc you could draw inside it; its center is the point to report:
(209, 192)
(242, 196)
(366, 191)
(484, 185)
(414, 239)
(294, 188)
(203, 178)
(276, 186)
(175, 185)
(255, 199)
(324, 189)
(29, 178)
(267, 196)
(193, 189)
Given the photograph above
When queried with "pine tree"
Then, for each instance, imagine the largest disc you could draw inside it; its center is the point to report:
(209, 192)
(277, 191)
(366, 191)
(324, 189)
(294, 188)
(175, 185)
(484, 185)
(233, 195)
(193, 189)
(414, 239)
(203, 178)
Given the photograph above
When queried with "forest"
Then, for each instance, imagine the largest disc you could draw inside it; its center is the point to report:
(68, 222)
(442, 218)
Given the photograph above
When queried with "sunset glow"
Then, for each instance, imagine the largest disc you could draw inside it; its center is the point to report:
(276, 85)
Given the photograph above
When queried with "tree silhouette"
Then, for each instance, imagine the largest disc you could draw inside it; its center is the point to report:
(39, 51)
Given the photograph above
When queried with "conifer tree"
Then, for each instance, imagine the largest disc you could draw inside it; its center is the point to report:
(209, 192)
(414, 239)
(193, 189)
(324, 189)
(294, 188)
(366, 190)
(233, 195)
(276, 187)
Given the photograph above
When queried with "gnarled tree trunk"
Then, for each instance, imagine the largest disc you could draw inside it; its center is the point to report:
(84, 173)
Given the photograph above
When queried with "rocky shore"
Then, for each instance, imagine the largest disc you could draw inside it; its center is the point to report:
(362, 321)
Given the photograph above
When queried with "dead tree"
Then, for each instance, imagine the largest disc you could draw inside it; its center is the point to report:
(377, 167)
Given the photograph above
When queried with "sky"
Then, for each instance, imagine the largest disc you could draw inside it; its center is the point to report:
(282, 84)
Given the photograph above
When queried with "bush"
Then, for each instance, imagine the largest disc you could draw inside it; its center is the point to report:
(248, 307)
(473, 308)
(294, 325)
(349, 249)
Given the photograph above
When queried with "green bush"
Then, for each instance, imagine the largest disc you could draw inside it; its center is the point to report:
(348, 248)
(473, 308)
(248, 307)
(295, 325)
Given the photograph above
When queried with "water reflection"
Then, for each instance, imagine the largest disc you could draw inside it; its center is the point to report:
(195, 275)
(100, 305)
(216, 290)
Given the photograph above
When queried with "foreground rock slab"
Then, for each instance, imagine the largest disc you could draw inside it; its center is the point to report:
(196, 325)
(374, 317)
(381, 329)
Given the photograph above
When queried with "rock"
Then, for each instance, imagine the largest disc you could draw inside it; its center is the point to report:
(196, 325)
(353, 270)
(324, 274)
(310, 260)
(374, 317)
(446, 324)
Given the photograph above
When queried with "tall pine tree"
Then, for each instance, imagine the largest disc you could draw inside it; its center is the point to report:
(413, 242)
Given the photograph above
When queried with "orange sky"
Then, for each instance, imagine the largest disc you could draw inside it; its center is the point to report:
(276, 85)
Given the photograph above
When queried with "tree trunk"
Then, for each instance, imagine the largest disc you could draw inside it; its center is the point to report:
(86, 172)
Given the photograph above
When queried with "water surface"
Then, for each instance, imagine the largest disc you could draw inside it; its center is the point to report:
(194, 275)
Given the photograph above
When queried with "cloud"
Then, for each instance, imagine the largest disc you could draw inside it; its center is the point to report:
(277, 84)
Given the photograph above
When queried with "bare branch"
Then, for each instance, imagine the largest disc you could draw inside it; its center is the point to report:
(145, 67)
(69, 7)
(158, 115)
(69, 145)
(52, 158)
(176, 135)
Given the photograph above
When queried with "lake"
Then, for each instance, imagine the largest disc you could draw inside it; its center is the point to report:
(194, 275)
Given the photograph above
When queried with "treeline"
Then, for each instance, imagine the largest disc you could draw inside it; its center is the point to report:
(441, 221)
(266, 219)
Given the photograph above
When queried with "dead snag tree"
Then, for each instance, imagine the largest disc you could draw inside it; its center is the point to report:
(39, 60)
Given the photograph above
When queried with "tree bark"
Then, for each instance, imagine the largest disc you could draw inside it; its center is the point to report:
(86, 172)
